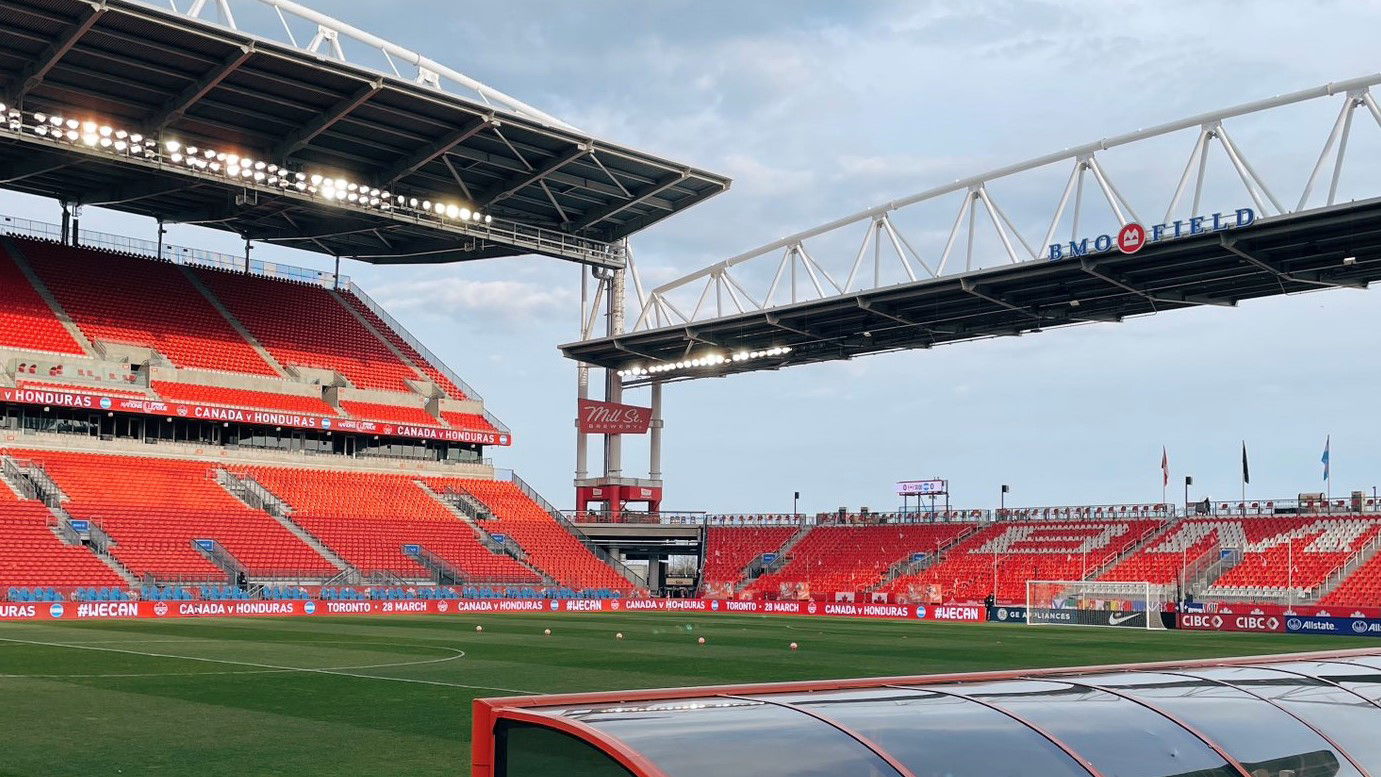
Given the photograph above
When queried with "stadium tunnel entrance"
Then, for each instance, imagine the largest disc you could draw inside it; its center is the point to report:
(673, 554)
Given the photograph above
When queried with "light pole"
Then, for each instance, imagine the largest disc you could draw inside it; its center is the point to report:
(795, 504)
(1188, 481)
(1002, 501)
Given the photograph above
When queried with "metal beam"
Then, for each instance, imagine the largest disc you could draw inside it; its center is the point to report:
(867, 305)
(976, 290)
(513, 184)
(33, 74)
(35, 164)
(419, 158)
(147, 187)
(173, 109)
(776, 321)
(617, 206)
(1172, 298)
(695, 336)
(1308, 278)
(324, 120)
(618, 344)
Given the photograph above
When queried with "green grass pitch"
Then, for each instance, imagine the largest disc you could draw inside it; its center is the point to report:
(391, 696)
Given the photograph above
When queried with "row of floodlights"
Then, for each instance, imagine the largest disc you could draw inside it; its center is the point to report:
(235, 167)
(707, 360)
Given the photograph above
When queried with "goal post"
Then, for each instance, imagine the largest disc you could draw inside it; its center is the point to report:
(1127, 605)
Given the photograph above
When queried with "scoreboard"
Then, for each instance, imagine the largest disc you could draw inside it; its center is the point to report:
(922, 487)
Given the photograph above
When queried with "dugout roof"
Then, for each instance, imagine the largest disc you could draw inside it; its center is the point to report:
(146, 69)
(1311, 715)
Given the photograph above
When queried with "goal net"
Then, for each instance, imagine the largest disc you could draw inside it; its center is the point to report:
(1094, 603)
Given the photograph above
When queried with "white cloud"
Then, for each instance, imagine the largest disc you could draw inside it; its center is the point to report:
(477, 301)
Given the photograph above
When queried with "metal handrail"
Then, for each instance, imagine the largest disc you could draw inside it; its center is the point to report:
(432, 359)
(192, 257)
(600, 553)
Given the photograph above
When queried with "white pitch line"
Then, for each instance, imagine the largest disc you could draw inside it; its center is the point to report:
(281, 668)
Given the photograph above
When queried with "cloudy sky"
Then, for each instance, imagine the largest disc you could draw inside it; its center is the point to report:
(818, 109)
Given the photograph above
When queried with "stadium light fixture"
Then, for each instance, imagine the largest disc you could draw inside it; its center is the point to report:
(334, 188)
(712, 359)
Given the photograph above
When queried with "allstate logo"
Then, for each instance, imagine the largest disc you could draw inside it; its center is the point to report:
(105, 403)
(442, 606)
(309, 606)
(1002, 613)
(920, 612)
(810, 608)
(714, 605)
(325, 423)
(555, 605)
(160, 609)
(1360, 627)
(1294, 624)
(56, 610)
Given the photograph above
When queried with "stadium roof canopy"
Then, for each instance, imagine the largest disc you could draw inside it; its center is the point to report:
(1279, 256)
(950, 264)
(164, 76)
(1311, 714)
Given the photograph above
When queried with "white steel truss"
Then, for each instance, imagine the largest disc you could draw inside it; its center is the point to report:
(388, 58)
(885, 255)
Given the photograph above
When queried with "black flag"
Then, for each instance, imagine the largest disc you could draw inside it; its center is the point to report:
(1246, 473)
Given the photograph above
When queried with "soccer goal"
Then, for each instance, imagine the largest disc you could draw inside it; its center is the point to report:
(1095, 603)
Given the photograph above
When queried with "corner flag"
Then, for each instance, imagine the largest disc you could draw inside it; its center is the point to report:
(1327, 443)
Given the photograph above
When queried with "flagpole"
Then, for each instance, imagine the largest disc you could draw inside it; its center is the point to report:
(1243, 506)
(1327, 467)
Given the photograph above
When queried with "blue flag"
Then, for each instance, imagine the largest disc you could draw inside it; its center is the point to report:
(1327, 443)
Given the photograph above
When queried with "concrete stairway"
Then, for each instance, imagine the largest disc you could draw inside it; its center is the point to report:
(251, 493)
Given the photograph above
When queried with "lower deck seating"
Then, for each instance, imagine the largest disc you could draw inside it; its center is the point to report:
(368, 519)
(728, 550)
(156, 509)
(32, 555)
(1002, 557)
(1298, 551)
(833, 559)
(550, 546)
(1362, 588)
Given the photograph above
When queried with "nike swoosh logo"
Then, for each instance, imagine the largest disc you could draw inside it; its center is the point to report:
(1118, 620)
